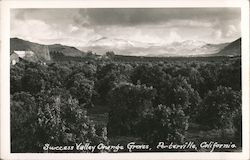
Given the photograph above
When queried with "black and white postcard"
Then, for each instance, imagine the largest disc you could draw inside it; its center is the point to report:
(125, 79)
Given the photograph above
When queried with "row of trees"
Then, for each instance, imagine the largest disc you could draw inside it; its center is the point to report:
(154, 101)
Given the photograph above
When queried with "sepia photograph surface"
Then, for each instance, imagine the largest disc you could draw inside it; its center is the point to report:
(125, 80)
(112, 80)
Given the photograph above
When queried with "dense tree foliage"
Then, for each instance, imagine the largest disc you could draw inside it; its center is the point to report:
(237, 123)
(154, 100)
(109, 75)
(178, 91)
(164, 124)
(63, 121)
(51, 117)
(151, 75)
(16, 74)
(81, 88)
(220, 107)
(128, 103)
(23, 122)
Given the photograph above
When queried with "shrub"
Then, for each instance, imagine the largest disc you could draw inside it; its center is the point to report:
(33, 80)
(219, 108)
(150, 75)
(209, 78)
(23, 122)
(230, 76)
(163, 123)
(237, 122)
(108, 76)
(64, 122)
(55, 118)
(16, 74)
(81, 88)
(128, 103)
(179, 92)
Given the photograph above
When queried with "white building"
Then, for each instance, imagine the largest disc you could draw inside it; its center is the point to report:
(20, 54)
(17, 55)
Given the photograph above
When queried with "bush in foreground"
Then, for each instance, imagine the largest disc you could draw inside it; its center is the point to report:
(128, 103)
(163, 123)
(220, 107)
(54, 119)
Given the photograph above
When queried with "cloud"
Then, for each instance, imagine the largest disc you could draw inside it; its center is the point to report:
(34, 28)
(77, 26)
(140, 16)
(231, 31)
(174, 36)
(41, 32)
(217, 34)
(128, 16)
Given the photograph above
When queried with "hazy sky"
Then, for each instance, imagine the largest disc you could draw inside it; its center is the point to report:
(79, 26)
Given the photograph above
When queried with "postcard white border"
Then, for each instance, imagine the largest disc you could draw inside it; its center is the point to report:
(5, 75)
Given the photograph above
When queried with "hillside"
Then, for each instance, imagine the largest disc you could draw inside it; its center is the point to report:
(233, 49)
(66, 50)
(42, 52)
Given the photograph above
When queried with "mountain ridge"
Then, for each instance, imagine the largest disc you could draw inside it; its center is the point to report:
(184, 48)
(42, 51)
(233, 49)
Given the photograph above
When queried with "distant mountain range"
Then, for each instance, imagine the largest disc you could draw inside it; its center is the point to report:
(134, 48)
(130, 48)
